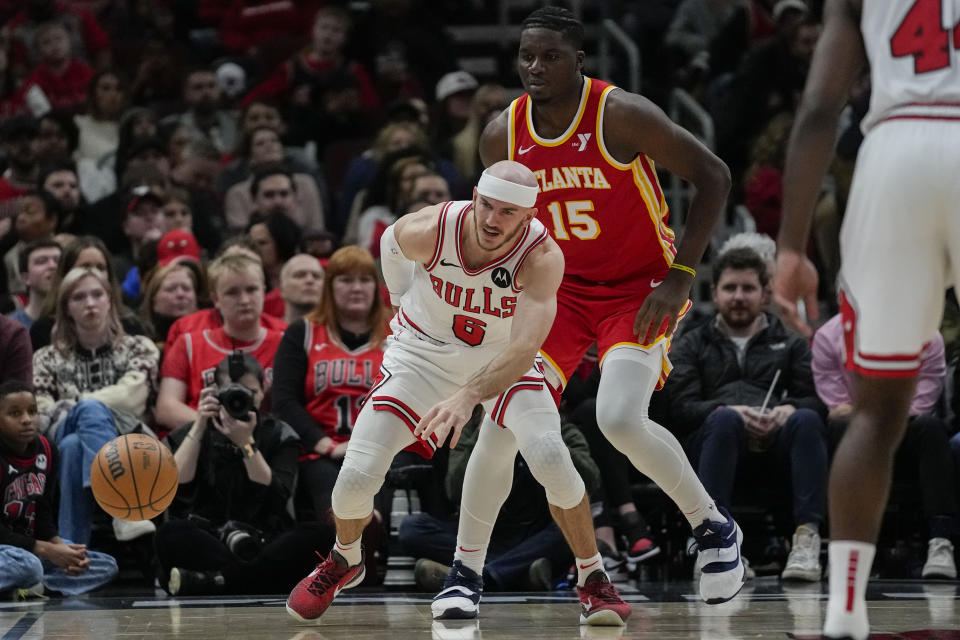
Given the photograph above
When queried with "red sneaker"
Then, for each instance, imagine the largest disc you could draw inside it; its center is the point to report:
(600, 604)
(312, 595)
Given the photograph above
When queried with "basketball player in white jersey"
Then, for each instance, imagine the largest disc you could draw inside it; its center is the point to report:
(900, 245)
(475, 284)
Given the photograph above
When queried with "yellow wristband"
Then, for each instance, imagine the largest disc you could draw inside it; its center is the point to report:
(684, 268)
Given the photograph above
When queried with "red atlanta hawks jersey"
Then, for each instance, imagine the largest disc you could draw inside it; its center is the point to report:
(337, 380)
(453, 304)
(609, 218)
(195, 356)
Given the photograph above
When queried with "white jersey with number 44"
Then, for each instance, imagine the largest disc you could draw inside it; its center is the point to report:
(914, 52)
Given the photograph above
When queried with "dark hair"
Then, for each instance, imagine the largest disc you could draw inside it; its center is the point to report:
(334, 11)
(71, 253)
(19, 127)
(556, 19)
(126, 138)
(68, 259)
(92, 107)
(284, 231)
(14, 386)
(66, 124)
(197, 68)
(263, 172)
(36, 245)
(246, 139)
(52, 23)
(738, 259)
(50, 204)
(250, 366)
(385, 184)
(55, 167)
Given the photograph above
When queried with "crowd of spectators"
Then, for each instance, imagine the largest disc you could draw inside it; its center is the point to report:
(192, 197)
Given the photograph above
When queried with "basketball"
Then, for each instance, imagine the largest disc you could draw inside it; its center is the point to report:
(134, 477)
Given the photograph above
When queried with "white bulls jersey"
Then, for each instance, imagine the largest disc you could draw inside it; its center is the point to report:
(449, 303)
(914, 52)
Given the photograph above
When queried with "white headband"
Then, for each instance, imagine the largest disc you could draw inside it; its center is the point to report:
(506, 191)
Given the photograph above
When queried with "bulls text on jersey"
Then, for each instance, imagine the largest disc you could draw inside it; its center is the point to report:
(341, 371)
(469, 300)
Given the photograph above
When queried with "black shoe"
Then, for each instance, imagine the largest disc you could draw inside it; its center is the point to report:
(540, 575)
(184, 582)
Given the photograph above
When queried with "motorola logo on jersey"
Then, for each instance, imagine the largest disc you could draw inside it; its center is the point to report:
(501, 277)
(472, 301)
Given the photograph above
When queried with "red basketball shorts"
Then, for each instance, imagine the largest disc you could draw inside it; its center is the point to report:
(589, 312)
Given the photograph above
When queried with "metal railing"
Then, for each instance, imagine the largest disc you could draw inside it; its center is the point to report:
(688, 113)
(612, 31)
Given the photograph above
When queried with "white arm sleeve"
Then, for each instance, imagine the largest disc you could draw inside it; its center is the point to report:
(397, 268)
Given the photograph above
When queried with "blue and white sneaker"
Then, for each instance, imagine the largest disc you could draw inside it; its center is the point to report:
(460, 597)
(722, 569)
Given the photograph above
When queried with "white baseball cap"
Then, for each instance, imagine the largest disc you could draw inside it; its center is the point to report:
(784, 5)
(455, 82)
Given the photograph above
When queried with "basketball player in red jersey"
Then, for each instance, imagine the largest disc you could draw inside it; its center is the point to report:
(899, 246)
(592, 148)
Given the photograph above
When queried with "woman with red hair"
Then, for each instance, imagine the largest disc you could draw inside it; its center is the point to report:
(325, 364)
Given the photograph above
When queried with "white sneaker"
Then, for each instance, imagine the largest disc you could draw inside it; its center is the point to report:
(803, 563)
(940, 562)
(722, 571)
(125, 530)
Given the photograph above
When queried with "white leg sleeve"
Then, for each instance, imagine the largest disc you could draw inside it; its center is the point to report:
(377, 437)
(532, 417)
(626, 384)
(487, 483)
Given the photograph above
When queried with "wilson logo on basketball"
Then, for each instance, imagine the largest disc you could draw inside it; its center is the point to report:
(113, 461)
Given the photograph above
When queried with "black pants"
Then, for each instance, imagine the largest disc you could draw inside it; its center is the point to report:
(315, 486)
(508, 558)
(798, 446)
(280, 565)
(924, 459)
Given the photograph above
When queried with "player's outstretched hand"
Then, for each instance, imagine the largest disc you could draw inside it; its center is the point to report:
(661, 310)
(445, 418)
(795, 279)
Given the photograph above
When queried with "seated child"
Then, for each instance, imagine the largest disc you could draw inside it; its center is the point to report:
(32, 554)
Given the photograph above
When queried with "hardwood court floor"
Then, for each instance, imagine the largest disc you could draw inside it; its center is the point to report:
(907, 610)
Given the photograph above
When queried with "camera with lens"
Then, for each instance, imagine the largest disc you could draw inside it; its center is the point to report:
(241, 539)
(235, 398)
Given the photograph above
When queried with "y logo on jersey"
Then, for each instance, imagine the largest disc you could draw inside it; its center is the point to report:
(501, 277)
(584, 138)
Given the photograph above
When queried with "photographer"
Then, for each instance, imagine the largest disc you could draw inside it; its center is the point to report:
(231, 531)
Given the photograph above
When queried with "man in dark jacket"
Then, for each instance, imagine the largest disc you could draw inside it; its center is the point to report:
(742, 387)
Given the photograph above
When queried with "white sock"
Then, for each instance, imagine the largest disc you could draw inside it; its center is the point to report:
(471, 555)
(850, 563)
(706, 511)
(349, 551)
(586, 566)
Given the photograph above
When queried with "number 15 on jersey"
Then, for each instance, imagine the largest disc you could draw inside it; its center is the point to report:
(577, 221)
